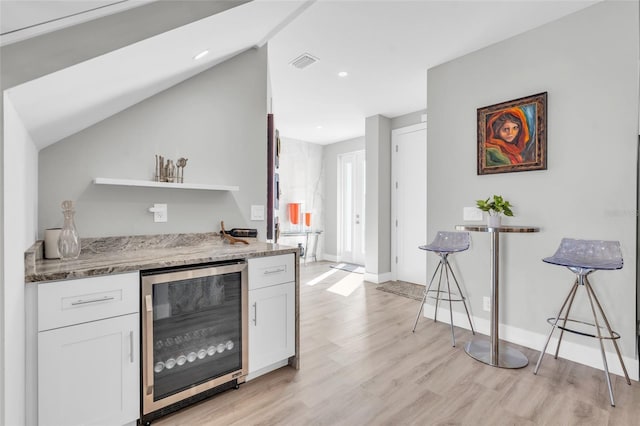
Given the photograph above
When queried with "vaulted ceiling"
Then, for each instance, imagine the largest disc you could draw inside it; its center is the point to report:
(385, 47)
(64, 102)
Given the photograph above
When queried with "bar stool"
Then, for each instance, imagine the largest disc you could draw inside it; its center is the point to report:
(583, 257)
(444, 244)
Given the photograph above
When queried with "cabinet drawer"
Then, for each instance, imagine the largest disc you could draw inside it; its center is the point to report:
(71, 302)
(271, 270)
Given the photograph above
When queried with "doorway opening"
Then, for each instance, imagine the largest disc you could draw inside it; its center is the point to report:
(351, 214)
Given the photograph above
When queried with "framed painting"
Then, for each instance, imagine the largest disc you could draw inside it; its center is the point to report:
(512, 136)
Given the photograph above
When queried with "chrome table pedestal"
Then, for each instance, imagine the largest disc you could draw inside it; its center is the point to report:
(493, 352)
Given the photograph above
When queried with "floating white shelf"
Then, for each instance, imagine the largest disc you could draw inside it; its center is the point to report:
(153, 184)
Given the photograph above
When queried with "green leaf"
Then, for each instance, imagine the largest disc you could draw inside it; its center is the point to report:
(495, 205)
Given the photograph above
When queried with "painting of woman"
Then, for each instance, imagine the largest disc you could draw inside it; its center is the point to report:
(512, 135)
(508, 138)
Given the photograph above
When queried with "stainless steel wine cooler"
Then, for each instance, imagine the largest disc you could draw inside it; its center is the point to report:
(194, 334)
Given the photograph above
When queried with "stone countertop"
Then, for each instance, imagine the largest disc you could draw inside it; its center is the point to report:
(114, 255)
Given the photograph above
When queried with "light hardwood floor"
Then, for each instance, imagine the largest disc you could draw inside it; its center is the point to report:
(361, 365)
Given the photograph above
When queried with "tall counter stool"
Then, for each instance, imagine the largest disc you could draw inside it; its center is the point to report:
(444, 244)
(583, 257)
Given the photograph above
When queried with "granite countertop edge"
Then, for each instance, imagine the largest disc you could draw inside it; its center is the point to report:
(116, 255)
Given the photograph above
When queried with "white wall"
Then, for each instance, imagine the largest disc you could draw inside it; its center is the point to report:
(20, 213)
(2, 295)
(378, 198)
(301, 175)
(408, 119)
(216, 119)
(588, 64)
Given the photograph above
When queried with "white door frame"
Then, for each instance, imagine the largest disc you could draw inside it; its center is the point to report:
(394, 206)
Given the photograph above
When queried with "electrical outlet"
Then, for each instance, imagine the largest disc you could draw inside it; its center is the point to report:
(486, 303)
(159, 213)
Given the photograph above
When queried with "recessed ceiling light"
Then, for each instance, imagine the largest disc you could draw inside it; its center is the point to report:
(343, 74)
(318, 127)
(201, 55)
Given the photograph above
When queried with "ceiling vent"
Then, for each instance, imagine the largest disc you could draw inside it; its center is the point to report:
(304, 61)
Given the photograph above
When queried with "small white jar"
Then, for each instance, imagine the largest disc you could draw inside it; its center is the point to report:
(51, 237)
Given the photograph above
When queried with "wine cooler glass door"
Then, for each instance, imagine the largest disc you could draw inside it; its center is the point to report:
(195, 336)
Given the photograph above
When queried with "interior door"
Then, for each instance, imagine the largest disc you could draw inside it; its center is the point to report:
(351, 187)
(409, 203)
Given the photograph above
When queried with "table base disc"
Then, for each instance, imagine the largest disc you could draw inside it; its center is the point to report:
(508, 357)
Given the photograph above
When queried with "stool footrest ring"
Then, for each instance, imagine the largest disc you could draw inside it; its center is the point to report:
(580, 332)
(436, 297)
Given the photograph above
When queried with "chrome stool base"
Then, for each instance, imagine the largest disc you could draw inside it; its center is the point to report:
(583, 281)
(444, 265)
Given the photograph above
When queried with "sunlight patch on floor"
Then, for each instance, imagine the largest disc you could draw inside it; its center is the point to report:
(347, 285)
(319, 278)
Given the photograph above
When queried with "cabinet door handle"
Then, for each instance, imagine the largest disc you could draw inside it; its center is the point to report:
(131, 346)
(275, 271)
(255, 313)
(84, 302)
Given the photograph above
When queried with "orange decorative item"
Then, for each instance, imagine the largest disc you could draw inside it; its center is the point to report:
(294, 213)
(307, 219)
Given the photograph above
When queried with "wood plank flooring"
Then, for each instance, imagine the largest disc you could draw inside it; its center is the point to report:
(361, 365)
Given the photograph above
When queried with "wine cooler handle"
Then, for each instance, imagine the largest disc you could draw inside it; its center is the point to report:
(255, 313)
(131, 346)
(148, 333)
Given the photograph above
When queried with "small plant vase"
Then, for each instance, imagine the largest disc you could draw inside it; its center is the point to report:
(494, 221)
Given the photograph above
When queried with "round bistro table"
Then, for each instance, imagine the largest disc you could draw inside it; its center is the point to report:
(491, 351)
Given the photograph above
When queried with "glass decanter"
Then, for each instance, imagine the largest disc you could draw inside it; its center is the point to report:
(69, 242)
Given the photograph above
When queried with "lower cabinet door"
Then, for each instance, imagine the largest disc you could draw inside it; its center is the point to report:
(88, 374)
(271, 325)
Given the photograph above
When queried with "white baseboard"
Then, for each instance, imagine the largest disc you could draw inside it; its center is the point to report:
(378, 278)
(328, 257)
(582, 354)
(374, 278)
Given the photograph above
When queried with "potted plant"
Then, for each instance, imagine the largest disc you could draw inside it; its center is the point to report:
(495, 207)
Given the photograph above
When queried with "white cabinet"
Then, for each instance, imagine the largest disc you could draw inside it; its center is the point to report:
(271, 326)
(88, 351)
(272, 307)
(87, 373)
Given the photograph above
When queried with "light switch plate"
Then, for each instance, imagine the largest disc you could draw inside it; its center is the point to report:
(257, 212)
(471, 213)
